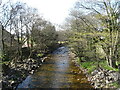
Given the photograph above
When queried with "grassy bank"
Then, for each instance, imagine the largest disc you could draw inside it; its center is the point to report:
(90, 66)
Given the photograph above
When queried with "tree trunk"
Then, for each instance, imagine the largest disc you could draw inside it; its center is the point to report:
(107, 60)
(1, 52)
(111, 59)
(27, 36)
(3, 39)
(31, 42)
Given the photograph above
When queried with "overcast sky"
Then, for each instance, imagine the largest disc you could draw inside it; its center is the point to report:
(53, 10)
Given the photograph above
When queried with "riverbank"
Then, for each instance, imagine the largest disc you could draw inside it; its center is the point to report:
(12, 75)
(15, 71)
(99, 76)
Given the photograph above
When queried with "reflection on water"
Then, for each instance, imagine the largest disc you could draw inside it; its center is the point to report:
(57, 72)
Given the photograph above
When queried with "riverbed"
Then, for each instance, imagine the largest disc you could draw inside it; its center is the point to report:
(57, 71)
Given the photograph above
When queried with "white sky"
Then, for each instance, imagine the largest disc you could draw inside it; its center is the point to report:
(53, 10)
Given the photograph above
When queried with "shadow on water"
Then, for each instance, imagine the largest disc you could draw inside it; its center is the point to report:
(57, 72)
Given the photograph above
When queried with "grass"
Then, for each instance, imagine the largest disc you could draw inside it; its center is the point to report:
(118, 62)
(104, 65)
(4, 62)
(115, 84)
(90, 66)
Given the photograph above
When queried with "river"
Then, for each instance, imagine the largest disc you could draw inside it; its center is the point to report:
(58, 71)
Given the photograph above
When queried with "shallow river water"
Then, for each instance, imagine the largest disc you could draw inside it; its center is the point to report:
(58, 71)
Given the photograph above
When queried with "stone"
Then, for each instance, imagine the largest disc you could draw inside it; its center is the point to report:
(107, 81)
(110, 78)
(102, 76)
(97, 85)
(34, 66)
(12, 82)
(92, 83)
(32, 72)
(97, 80)
(94, 72)
(99, 72)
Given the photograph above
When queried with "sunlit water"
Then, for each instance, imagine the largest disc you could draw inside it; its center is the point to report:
(58, 71)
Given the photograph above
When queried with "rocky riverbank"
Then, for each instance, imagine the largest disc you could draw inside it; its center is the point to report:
(100, 78)
(13, 75)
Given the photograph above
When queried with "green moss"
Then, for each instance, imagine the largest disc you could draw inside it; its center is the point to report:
(39, 55)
